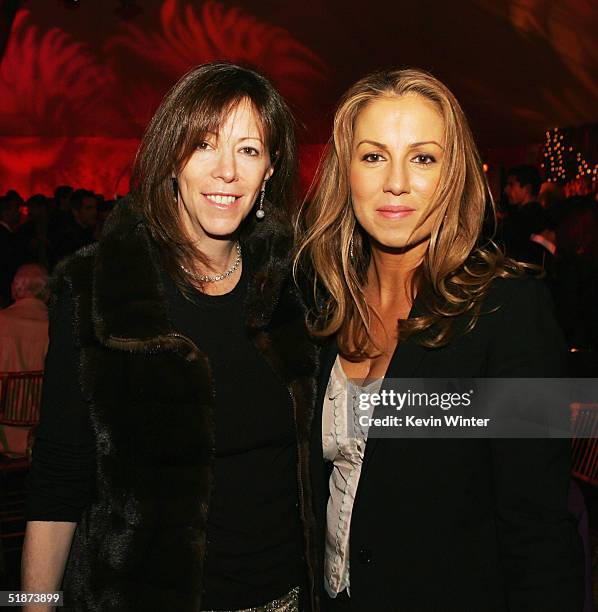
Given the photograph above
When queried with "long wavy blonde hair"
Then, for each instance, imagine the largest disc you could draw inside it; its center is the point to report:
(461, 260)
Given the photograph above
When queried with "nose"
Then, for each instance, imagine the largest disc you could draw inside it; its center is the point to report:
(397, 178)
(225, 167)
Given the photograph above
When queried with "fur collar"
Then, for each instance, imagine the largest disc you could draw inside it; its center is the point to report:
(129, 298)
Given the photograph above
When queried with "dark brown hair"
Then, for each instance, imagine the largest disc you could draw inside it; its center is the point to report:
(199, 103)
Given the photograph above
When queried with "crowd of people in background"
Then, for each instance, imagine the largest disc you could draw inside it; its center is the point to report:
(540, 226)
(537, 225)
(43, 230)
(34, 236)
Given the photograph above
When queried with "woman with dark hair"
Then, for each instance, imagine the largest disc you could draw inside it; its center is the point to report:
(408, 284)
(172, 443)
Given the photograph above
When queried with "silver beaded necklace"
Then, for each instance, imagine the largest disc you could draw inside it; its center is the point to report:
(205, 278)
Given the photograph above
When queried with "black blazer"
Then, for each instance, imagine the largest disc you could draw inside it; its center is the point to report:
(465, 524)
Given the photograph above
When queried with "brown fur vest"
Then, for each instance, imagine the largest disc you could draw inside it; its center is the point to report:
(141, 543)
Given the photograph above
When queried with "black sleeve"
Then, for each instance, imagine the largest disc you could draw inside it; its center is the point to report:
(60, 481)
(541, 551)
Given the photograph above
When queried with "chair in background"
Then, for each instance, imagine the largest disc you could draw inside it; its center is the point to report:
(584, 467)
(20, 399)
(584, 443)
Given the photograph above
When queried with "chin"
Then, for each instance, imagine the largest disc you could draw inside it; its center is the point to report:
(397, 240)
(221, 231)
(390, 238)
(391, 245)
(222, 227)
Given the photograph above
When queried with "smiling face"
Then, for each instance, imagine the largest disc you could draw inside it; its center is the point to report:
(219, 183)
(396, 159)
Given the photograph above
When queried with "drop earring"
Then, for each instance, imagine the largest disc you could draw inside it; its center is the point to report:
(260, 213)
(351, 248)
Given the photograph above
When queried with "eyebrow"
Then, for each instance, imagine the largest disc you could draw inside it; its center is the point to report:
(425, 142)
(413, 145)
(239, 139)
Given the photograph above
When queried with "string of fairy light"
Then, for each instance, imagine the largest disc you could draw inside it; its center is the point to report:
(563, 163)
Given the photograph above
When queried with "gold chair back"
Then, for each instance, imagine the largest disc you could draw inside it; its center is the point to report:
(20, 397)
(584, 443)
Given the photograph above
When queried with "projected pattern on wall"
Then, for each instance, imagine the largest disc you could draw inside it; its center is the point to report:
(71, 115)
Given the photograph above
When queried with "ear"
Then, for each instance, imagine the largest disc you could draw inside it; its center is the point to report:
(269, 172)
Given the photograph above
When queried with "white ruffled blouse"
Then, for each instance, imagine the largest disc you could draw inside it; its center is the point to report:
(343, 441)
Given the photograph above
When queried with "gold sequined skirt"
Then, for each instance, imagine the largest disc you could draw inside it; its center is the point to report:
(286, 603)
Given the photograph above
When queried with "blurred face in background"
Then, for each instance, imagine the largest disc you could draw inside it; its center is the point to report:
(397, 156)
(516, 194)
(36, 209)
(87, 215)
(11, 215)
(220, 182)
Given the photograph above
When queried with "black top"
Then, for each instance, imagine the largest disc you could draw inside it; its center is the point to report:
(471, 523)
(254, 545)
(68, 236)
(516, 229)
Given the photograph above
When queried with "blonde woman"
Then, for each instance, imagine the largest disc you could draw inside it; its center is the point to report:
(408, 284)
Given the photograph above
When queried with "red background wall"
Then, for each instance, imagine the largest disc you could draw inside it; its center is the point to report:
(79, 81)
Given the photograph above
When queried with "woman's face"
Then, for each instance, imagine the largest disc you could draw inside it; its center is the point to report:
(220, 182)
(396, 158)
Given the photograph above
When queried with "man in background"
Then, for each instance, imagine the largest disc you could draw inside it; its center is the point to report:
(79, 230)
(59, 212)
(10, 255)
(525, 216)
(24, 325)
(33, 233)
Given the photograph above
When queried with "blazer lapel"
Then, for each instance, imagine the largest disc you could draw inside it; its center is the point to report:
(327, 359)
(404, 363)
